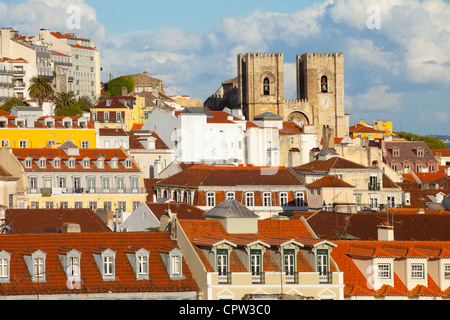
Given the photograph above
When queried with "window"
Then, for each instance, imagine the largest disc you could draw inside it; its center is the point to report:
(57, 163)
(390, 201)
(222, 265)
(324, 84)
(128, 163)
(114, 163)
(91, 184)
(210, 199)
(322, 265)
(255, 265)
(122, 205)
(142, 265)
(5, 259)
(78, 204)
(22, 144)
(419, 168)
(373, 203)
(108, 266)
(394, 167)
(62, 183)
(39, 267)
(107, 205)
(28, 163)
(431, 168)
(48, 204)
(249, 199)
(396, 152)
(74, 266)
(230, 195)
(420, 153)
(34, 205)
(447, 271)
(176, 265)
(120, 184)
(101, 163)
(135, 186)
(289, 264)
(84, 144)
(267, 199)
(5, 143)
(93, 205)
(136, 204)
(266, 88)
(64, 205)
(283, 199)
(417, 271)
(299, 199)
(72, 163)
(105, 184)
(384, 271)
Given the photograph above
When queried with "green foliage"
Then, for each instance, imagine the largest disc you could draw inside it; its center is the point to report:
(432, 142)
(41, 88)
(13, 102)
(84, 103)
(64, 100)
(70, 111)
(115, 85)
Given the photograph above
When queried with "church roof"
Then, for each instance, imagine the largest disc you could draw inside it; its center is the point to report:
(268, 116)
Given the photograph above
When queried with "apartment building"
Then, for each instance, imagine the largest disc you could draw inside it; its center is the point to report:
(79, 56)
(265, 190)
(70, 177)
(372, 188)
(26, 127)
(94, 266)
(114, 112)
(232, 253)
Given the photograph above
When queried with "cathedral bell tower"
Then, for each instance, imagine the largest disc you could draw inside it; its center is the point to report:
(261, 84)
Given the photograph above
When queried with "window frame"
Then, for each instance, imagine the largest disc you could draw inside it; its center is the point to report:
(422, 271)
(380, 271)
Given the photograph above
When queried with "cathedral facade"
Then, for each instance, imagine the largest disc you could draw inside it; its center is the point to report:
(259, 88)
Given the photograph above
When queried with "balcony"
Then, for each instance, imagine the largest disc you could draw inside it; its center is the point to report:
(259, 278)
(110, 120)
(326, 278)
(6, 72)
(292, 277)
(7, 84)
(374, 186)
(19, 72)
(47, 192)
(224, 278)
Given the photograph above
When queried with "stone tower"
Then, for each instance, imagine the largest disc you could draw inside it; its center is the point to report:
(261, 84)
(320, 82)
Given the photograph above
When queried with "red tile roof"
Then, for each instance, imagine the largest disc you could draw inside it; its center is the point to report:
(205, 175)
(329, 182)
(325, 165)
(92, 282)
(51, 220)
(355, 281)
(209, 232)
(183, 210)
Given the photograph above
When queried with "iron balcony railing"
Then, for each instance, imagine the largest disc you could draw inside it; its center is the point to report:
(62, 191)
(326, 278)
(292, 277)
(374, 186)
(259, 278)
(224, 278)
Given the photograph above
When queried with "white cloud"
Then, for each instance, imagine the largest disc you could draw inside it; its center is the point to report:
(376, 99)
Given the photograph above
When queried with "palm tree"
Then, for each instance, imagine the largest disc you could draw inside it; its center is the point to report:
(64, 100)
(41, 88)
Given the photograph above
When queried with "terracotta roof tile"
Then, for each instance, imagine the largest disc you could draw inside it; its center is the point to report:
(329, 181)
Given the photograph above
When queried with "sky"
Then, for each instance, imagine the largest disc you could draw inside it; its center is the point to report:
(397, 52)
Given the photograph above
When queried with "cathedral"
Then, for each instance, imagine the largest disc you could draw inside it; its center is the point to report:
(259, 88)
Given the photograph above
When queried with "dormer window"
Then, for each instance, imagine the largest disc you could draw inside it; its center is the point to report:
(289, 265)
(36, 265)
(417, 271)
(5, 259)
(396, 152)
(384, 270)
(71, 265)
(86, 163)
(42, 163)
(106, 263)
(114, 163)
(68, 124)
(72, 163)
(21, 124)
(222, 265)
(128, 163)
(139, 261)
(50, 123)
(101, 163)
(57, 163)
(420, 152)
(28, 163)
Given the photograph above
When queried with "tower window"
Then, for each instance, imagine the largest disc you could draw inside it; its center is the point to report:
(324, 84)
(266, 87)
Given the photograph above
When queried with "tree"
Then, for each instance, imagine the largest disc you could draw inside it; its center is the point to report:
(41, 88)
(13, 102)
(84, 103)
(64, 100)
(70, 111)
(115, 85)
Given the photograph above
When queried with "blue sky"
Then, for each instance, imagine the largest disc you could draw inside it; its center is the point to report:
(399, 71)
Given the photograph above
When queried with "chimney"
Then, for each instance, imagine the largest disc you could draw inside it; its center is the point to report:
(69, 227)
(145, 73)
(124, 91)
(385, 231)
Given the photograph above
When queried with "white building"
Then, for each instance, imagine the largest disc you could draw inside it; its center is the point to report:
(197, 134)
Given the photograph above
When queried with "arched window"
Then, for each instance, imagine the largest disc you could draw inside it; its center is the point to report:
(266, 87)
(324, 84)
